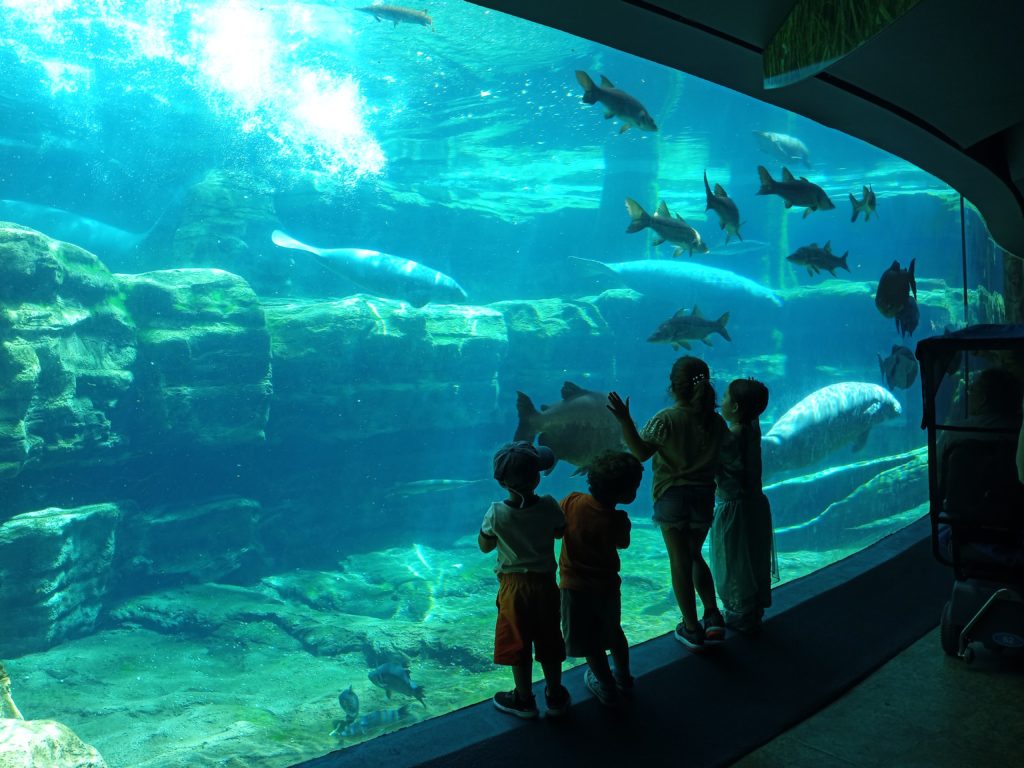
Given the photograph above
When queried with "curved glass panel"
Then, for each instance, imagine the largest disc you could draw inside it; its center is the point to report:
(245, 450)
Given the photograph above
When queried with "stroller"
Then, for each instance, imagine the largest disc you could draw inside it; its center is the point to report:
(976, 502)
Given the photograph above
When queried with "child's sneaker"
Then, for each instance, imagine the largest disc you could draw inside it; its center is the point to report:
(691, 638)
(606, 695)
(714, 628)
(557, 705)
(509, 701)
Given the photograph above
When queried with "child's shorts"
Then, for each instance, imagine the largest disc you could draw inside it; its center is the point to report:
(689, 507)
(590, 620)
(528, 615)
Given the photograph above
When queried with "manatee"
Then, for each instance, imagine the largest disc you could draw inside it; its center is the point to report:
(825, 421)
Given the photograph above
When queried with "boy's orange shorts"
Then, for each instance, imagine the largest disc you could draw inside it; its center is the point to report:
(529, 614)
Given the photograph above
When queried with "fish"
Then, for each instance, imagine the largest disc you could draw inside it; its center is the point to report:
(894, 288)
(382, 274)
(683, 327)
(115, 247)
(684, 281)
(394, 678)
(817, 259)
(577, 429)
(666, 226)
(908, 318)
(434, 485)
(866, 204)
(799, 192)
(397, 13)
(825, 421)
(789, 149)
(722, 204)
(368, 723)
(349, 702)
(899, 369)
(616, 103)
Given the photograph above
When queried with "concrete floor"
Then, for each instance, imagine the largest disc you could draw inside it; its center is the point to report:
(921, 710)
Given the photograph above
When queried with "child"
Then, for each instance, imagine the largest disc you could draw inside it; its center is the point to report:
(741, 537)
(523, 529)
(589, 567)
(685, 441)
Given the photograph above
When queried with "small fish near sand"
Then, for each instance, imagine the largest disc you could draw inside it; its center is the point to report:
(397, 14)
(682, 328)
(616, 103)
(796, 192)
(349, 702)
(394, 678)
(722, 204)
(577, 429)
(368, 723)
(666, 226)
(894, 289)
(782, 146)
(865, 205)
(816, 259)
(899, 369)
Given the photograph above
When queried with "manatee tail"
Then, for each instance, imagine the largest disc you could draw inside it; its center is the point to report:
(856, 208)
(913, 282)
(287, 241)
(767, 182)
(528, 414)
(639, 218)
(721, 322)
(589, 89)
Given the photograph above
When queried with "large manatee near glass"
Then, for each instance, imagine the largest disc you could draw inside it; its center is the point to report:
(825, 421)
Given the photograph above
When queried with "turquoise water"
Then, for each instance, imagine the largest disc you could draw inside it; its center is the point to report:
(233, 480)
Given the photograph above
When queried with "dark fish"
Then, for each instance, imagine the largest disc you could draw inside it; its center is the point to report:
(367, 723)
(349, 702)
(799, 192)
(899, 369)
(397, 13)
(616, 103)
(577, 429)
(866, 204)
(681, 328)
(894, 288)
(382, 273)
(394, 678)
(722, 204)
(816, 259)
(666, 226)
(789, 149)
(908, 318)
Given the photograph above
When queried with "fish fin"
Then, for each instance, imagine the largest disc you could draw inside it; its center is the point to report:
(721, 326)
(831, 271)
(527, 415)
(623, 128)
(804, 178)
(786, 175)
(695, 312)
(663, 210)
(707, 188)
(807, 212)
(842, 262)
(570, 390)
(639, 219)
(720, 191)
(589, 89)
(767, 182)
(684, 345)
(861, 440)
(828, 247)
(707, 341)
(913, 281)
(789, 203)
(856, 210)
(675, 347)
(658, 240)
(608, 114)
(606, 82)
(678, 251)
(810, 272)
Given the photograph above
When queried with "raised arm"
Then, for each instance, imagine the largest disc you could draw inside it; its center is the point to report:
(636, 444)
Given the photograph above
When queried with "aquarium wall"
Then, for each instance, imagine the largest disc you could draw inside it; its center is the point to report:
(277, 279)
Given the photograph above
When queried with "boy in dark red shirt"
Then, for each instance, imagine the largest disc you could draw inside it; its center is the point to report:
(589, 572)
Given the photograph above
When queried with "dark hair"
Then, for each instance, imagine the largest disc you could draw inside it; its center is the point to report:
(750, 396)
(690, 383)
(612, 471)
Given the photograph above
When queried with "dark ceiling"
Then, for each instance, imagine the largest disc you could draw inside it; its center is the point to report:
(942, 86)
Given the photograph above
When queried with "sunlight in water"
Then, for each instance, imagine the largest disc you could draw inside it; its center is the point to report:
(239, 49)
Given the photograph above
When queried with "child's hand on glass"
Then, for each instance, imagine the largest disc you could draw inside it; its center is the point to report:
(619, 409)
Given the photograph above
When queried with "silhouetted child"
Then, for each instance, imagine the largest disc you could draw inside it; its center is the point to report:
(523, 529)
(685, 441)
(741, 537)
(589, 571)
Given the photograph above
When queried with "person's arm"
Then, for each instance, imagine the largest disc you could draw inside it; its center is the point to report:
(636, 444)
(485, 538)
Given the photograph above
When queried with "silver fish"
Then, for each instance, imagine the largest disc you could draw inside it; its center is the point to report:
(396, 14)
(434, 485)
(799, 192)
(371, 722)
(616, 103)
(394, 678)
(728, 213)
(816, 259)
(577, 429)
(788, 149)
(666, 226)
(382, 273)
(865, 205)
(681, 328)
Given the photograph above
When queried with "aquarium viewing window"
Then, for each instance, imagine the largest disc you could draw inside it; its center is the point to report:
(277, 279)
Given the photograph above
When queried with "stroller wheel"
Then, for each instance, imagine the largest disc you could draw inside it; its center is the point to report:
(949, 633)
